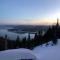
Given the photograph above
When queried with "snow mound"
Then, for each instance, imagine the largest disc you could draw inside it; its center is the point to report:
(17, 54)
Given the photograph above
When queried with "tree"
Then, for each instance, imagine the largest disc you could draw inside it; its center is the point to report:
(6, 47)
(28, 36)
(35, 39)
(24, 42)
(54, 41)
(17, 41)
(40, 32)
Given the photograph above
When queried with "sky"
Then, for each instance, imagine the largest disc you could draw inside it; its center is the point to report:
(29, 12)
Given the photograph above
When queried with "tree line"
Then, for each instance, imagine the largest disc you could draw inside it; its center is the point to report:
(51, 35)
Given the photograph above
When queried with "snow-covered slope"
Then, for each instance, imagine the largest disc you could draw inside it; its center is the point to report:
(17, 54)
(49, 52)
(39, 53)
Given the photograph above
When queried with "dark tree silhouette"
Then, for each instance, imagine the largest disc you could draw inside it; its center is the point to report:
(6, 43)
(17, 42)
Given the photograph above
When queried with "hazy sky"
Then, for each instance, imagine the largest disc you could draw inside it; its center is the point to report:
(29, 11)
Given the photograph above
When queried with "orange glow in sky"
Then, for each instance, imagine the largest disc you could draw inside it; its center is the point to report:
(43, 21)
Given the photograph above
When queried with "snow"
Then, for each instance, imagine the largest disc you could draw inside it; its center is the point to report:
(17, 54)
(38, 53)
(13, 36)
(49, 52)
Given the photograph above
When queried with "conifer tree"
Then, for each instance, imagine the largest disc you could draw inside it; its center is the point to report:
(17, 41)
(54, 41)
(24, 42)
(6, 46)
(28, 36)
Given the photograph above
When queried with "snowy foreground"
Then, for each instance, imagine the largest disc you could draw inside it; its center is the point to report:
(49, 52)
(17, 54)
(38, 53)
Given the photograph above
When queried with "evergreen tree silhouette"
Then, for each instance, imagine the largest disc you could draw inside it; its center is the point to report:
(40, 37)
(17, 42)
(28, 36)
(6, 42)
(54, 41)
(24, 42)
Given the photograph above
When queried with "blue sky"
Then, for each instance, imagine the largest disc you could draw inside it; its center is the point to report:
(28, 11)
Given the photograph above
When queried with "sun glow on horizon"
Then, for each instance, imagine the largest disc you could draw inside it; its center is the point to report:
(44, 21)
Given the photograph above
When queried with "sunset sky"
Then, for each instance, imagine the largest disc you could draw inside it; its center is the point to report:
(32, 12)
